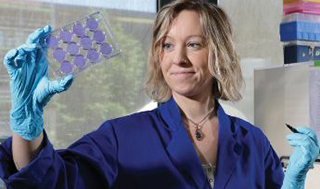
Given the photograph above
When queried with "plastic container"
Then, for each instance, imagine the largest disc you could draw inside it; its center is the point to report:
(303, 7)
(299, 51)
(293, 1)
(300, 17)
(79, 45)
(304, 31)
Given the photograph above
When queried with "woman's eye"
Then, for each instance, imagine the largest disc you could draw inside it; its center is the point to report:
(167, 46)
(194, 45)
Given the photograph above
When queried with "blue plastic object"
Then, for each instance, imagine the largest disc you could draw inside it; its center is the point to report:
(306, 151)
(316, 53)
(30, 86)
(306, 31)
(295, 52)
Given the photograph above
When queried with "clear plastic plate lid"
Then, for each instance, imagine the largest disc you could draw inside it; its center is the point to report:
(79, 45)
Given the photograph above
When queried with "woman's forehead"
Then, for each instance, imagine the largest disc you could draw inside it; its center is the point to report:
(185, 24)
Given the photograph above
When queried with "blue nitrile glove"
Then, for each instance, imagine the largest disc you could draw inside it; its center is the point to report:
(30, 86)
(306, 151)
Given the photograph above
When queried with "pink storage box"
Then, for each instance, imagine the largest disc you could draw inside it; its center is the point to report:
(303, 7)
(293, 1)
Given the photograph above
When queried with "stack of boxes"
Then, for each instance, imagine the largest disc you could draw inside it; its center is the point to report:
(300, 31)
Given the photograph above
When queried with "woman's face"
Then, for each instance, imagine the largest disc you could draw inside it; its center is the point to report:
(184, 61)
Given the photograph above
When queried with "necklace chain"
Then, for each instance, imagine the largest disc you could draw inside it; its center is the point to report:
(199, 135)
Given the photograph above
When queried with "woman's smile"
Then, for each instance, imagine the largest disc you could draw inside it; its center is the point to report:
(183, 74)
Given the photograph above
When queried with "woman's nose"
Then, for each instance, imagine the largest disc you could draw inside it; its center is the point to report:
(180, 56)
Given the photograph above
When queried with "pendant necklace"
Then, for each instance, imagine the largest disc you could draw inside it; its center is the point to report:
(199, 135)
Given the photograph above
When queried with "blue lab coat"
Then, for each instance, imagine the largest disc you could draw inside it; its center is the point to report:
(150, 150)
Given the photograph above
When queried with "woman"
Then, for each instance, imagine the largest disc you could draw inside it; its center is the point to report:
(187, 142)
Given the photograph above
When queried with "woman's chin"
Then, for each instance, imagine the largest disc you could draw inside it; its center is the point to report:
(185, 92)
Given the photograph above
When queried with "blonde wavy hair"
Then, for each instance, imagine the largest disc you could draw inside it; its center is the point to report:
(223, 60)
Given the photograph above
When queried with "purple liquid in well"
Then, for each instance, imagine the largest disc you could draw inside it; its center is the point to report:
(66, 67)
(52, 42)
(79, 30)
(106, 49)
(99, 36)
(79, 61)
(59, 54)
(73, 48)
(93, 55)
(86, 42)
(92, 24)
(65, 36)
